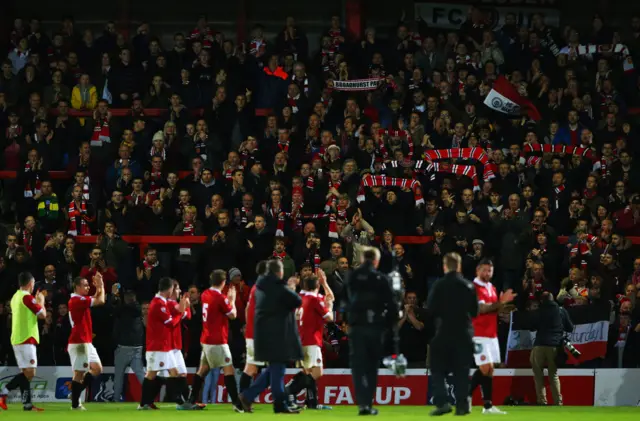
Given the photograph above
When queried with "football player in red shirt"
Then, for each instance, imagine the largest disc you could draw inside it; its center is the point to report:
(251, 365)
(312, 315)
(85, 361)
(25, 351)
(176, 342)
(217, 309)
(161, 321)
(485, 336)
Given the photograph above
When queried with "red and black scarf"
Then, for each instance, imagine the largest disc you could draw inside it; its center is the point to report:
(27, 240)
(279, 256)
(101, 132)
(284, 147)
(155, 184)
(29, 190)
(331, 201)
(78, 217)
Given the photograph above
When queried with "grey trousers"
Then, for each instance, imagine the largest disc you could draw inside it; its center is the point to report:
(125, 357)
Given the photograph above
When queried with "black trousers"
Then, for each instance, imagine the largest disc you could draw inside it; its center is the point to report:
(454, 359)
(365, 352)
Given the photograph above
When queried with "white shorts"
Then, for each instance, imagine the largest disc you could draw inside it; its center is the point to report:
(180, 365)
(487, 351)
(159, 360)
(26, 355)
(82, 355)
(312, 357)
(216, 355)
(251, 354)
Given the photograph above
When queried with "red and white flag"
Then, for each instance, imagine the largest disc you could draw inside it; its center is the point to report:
(589, 336)
(504, 98)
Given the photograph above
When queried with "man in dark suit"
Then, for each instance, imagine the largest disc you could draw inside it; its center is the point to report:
(275, 338)
(452, 303)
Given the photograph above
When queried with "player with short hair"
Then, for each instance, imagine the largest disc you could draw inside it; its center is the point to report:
(217, 310)
(85, 361)
(161, 321)
(251, 365)
(485, 337)
(25, 312)
(312, 315)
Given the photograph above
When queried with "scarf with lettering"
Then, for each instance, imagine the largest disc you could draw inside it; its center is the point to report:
(279, 256)
(284, 147)
(558, 149)
(477, 154)
(155, 184)
(146, 265)
(188, 230)
(101, 132)
(257, 47)
(77, 219)
(395, 133)
(27, 240)
(31, 190)
(161, 153)
(303, 84)
(382, 180)
(331, 201)
(462, 170)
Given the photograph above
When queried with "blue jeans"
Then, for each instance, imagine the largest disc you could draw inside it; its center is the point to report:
(210, 390)
(274, 375)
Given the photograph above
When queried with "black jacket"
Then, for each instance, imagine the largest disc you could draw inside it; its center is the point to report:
(453, 303)
(128, 329)
(276, 336)
(551, 322)
(368, 298)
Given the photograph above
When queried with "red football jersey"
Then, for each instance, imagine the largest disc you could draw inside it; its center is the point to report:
(311, 317)
(251, 311)
(215, 317)
(485, 325)
(160, 325)
(80, 317)
(176, 333)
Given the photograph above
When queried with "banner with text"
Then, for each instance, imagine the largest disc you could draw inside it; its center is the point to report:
(452, 15)
(589, 336)
(357, 84)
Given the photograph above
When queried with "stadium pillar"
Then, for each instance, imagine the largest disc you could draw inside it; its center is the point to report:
(125, 18)
(353, 13)
(241, 24)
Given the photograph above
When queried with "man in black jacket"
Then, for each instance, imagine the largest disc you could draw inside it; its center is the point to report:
(128, 334)
(452, 303)
(275, 338)
(551, 322)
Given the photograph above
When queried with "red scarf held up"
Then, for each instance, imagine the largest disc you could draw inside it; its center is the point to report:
(188, 230)
(477, 154)
(31, 191)
(101, 133)
(558, 149)
(384, 181)
(78, 215)
(466, 170)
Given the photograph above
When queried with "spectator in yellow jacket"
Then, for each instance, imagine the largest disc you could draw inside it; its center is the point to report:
(84, 96)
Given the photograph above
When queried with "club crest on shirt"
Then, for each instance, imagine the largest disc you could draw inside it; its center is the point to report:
(164, 310)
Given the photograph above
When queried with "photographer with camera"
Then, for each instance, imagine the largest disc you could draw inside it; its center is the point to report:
(551, 322)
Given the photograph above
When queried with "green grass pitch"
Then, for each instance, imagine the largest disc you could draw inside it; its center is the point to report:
(122, 412)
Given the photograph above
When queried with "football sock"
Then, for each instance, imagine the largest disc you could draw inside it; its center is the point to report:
(76, 390)
(487, 391)
(245, 382)
(476, 380)
(196, 387)
(296, 384)
(312, 393)
(232, 388)
(26, 391)
(16, 381)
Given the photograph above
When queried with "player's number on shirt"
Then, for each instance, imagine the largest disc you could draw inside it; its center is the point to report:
(205, 311)
(299, 313)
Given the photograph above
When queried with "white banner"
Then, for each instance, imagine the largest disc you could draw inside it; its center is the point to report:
(357, 84)
(452, 15)
(617, 387)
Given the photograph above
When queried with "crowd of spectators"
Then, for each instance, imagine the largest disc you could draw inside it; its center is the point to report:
(304, 181)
